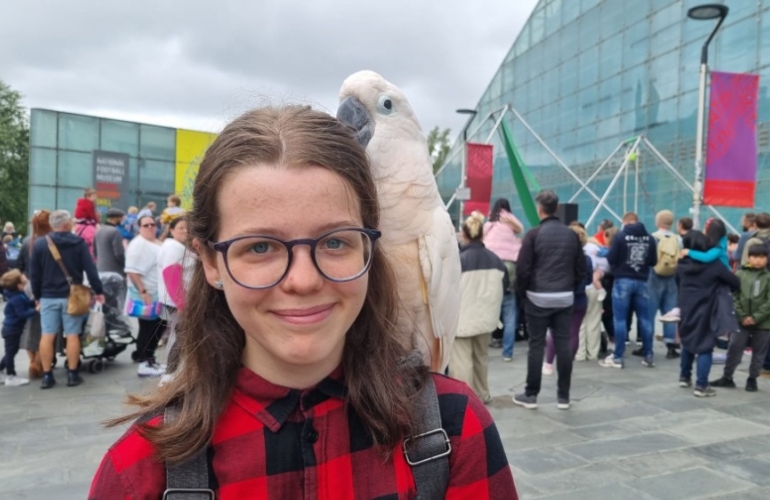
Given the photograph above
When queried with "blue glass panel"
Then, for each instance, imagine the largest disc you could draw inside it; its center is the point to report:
(535, 96)
(611, 56)
(42, 198)
(75, 170)
(42, 166)
(664, 76)
(588, 66)
(569, 78)
(553, 16)
(156, 177)
(688, 115)
(668, 15)
(535, 54)
(568, 46)
(611, 18)
(67, 198)
(522, 41)
(120, 136)
(585, 5)
(551, 86)
(42, 128)
(537, 26)
(609, 97)
(690, 66)
(737, 47)
(764, 96)
(570, 11)
(666, 39)
(764, 39)
(636, 44)
(588, 105)
(634, 85)
(636, 11)
(157, 142)
(79, 133)
(589, 30)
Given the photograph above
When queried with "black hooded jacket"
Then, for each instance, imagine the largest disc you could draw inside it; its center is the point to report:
(632, 253)
(48, 280)
(706, 303)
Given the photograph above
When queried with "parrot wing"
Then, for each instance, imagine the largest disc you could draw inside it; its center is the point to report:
(440, 263)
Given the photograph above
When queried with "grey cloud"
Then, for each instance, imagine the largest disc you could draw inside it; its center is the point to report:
(199, 63)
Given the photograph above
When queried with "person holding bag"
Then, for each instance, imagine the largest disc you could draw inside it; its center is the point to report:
(56, 271)
(142, 303)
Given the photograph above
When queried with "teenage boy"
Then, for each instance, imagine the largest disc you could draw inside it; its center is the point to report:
(752, 306)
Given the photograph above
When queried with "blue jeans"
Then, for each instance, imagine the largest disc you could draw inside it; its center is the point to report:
(704, 366)
(510, 321)
(663, 295)
(767, 361)
(625, 292)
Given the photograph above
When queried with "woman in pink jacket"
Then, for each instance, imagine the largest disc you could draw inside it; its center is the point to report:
(501, 237)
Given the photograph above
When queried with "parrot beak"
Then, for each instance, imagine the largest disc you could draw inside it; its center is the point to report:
(353, 113)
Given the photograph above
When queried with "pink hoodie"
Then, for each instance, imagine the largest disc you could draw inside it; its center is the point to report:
(500, 238)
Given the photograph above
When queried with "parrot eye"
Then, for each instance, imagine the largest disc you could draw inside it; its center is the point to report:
(385, 105)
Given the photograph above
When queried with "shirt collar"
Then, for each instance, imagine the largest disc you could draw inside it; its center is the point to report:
(272, 404)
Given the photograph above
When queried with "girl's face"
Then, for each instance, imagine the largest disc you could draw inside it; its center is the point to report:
(92, 196)
(179, 233)
(300, 323)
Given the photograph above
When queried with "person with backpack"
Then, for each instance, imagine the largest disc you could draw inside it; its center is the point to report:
(749, 228)
(662, 282)
(760, 237)
(292, 381)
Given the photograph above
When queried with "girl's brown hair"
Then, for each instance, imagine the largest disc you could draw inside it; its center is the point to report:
(88, 192)
(381, 388)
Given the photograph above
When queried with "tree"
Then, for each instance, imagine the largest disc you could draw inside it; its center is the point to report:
(14, 158)
(438, 146)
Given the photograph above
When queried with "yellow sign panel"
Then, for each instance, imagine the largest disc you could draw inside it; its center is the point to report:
(190, 147)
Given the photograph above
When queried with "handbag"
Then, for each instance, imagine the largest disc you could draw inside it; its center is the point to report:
(95, 326)
(136, 307)
(79, 300)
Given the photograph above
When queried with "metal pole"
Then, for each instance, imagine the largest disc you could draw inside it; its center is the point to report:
(561, 163)
(497, 124)
(623, 167)
(625, 187)
(697, 195)
(636, 182)
(463, 176)
(596, 173)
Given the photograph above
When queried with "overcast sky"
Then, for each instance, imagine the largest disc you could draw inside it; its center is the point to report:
(197, 64)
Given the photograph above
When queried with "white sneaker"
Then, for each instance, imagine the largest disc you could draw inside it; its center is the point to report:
(673, 316)
(547, 369)
(610, 362)
(150, 369)
(14, 381)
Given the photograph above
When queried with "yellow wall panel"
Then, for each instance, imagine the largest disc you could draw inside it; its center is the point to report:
(190, 147)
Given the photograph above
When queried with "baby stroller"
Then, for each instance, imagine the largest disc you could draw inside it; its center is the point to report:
(117, 335)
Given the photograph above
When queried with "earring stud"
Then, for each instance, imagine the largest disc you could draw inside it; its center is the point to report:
(219, 284)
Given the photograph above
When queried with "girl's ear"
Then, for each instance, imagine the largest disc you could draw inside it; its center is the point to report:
(210, 261)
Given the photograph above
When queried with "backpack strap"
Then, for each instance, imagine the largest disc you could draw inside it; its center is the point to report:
(190, 479)
(57, 258)
(427, 451)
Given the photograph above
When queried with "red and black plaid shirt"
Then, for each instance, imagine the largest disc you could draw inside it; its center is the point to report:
(275, 442)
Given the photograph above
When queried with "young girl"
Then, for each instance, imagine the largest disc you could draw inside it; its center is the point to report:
(706, 307)
(86, 217)
(18, 309)
(292, 382)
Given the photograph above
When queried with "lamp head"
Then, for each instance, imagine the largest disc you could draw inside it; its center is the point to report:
(708, 12)
(467, 111)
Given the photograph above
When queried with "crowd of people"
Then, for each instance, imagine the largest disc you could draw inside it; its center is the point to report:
(578, 295)
(126, 264)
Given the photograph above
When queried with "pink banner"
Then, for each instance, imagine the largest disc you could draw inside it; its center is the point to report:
(731, 155)
(479, 178)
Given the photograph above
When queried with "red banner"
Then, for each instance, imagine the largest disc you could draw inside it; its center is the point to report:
(731, 165)
(478, 177)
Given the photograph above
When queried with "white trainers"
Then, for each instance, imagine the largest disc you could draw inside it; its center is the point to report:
(14, 381)
(547, 369)
(611, 362)
(150, 369)
(673, 316)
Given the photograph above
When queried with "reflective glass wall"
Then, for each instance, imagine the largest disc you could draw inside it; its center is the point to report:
(62, 147)
(589, 74)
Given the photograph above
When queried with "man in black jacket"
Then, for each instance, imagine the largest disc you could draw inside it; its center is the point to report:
(551, 266)
(633, 253)
(51, 289)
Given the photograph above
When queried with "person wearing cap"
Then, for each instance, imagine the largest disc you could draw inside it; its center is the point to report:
(110, 254)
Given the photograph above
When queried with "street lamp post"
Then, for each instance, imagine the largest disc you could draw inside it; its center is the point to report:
(464, 166)
(707, 12)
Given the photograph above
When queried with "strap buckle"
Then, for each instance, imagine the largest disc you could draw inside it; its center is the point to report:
(443, 454)
(204, 491)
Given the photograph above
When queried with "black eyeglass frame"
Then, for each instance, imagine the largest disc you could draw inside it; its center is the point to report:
(223, 247)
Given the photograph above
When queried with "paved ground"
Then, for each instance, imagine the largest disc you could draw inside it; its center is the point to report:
(631, 434)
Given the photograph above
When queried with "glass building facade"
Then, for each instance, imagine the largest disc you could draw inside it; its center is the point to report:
(63, 147)
(589, 74)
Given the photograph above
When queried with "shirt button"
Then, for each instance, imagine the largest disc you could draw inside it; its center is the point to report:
(311, 436)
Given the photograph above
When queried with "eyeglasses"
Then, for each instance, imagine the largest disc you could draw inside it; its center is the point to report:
(149, 225)
(259, 262)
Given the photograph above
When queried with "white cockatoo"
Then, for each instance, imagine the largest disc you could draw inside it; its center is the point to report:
(417, 233)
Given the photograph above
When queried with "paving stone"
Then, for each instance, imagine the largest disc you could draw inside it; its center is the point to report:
(691, 484)
(544, 461)
(580, 478)
(637, 444)
(735, 449)
(754, 470)
(659, 463)
(721, 430)
(670, 420)
(615, 491)
(545, 440)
